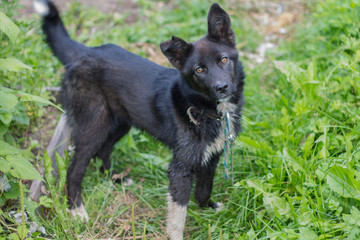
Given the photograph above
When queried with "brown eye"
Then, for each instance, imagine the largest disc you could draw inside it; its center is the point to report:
(199, 70)
(224, 60)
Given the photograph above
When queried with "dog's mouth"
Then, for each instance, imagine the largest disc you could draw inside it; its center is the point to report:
(223, 99)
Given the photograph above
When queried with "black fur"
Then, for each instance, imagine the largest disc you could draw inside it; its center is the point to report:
(106, 90)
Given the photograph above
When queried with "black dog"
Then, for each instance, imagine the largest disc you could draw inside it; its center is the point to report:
(106, 90)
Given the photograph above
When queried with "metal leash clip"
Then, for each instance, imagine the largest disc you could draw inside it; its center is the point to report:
(228, 133)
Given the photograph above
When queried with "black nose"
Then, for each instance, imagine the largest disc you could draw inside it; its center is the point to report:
(222, 87)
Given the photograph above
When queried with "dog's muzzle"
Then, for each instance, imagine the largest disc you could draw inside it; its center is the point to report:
(223, 90)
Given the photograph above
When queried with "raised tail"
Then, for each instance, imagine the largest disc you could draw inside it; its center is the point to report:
(63, 47)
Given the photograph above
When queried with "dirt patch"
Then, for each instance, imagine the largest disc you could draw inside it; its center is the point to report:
(107, 6)
(116, 220)
(274, 19)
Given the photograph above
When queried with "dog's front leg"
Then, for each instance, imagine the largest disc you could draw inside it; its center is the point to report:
(204, 183)
(179, 195)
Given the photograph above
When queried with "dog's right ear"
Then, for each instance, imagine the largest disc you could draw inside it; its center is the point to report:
(219, 25)
(176, 50)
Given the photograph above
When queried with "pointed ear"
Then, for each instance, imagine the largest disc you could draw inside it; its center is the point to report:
(219, 26)
(176, 50)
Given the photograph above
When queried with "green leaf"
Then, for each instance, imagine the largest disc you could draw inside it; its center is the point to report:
(7, 90)
(255, 144)
(4, 165)
(20, 114)
(8, 100)
(32, 98)
(352, 223)
(8, 27)
(307, 234)
(293, 160)
(349, 147)
(32, 209)
(6, 118)
(2, 201)
(6, 149)
(341, 180)
(13, 65)
(259, 185)
(61, 170)
(13, 192)
(22, 231)
(353, 218)
(22, 168)
(48, 170)
(10, 139)
(305, 218)
(308, 144)
(46, 201)
(21, 117)
(3, 129)
(13, 236)
(276, 205)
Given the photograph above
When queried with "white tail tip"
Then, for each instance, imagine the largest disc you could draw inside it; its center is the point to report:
(41, 7)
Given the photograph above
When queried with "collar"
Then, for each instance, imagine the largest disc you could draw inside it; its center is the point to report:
(209, 114)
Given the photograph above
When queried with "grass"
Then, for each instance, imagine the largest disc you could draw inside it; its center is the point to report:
(296, 162)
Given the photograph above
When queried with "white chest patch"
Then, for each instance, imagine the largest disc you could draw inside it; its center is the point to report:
(218, 144)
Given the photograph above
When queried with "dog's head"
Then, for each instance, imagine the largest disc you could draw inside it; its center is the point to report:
(208, 65)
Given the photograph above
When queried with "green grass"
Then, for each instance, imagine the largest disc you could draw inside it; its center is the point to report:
(296, 162)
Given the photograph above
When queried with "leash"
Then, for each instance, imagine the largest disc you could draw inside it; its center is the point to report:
(229, 137)
(228, 142)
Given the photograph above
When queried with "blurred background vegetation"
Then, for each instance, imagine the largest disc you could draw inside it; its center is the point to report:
(296, 162)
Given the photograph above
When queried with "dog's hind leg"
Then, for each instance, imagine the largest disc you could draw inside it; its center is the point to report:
(75, 175)
(204, 183)
(88, 139)
(106, 149)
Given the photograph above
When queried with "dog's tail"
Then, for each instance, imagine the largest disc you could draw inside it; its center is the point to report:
(63, 47)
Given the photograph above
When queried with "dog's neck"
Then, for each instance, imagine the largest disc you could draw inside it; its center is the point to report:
(196, 99)
(197, 104)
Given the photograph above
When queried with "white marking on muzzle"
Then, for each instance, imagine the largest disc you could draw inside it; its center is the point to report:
(41, 7)
(175, 219)
(224, 107)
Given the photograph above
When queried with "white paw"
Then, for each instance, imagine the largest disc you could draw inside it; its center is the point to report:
(80, 212)
(128, 182)
(218, 206)
(176, 218)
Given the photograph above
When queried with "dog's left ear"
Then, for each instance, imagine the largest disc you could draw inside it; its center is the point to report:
(176, 50)
(219, 26)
